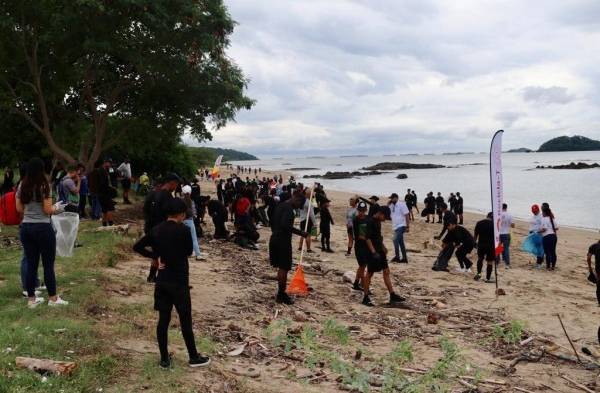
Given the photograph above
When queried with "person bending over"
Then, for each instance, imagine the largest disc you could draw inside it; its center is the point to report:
(447, 216)
(171, 243)
(594, 250)
(484, 238)
(464, 243)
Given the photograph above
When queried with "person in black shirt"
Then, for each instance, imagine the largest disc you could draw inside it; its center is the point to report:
(458, 208)
(171, 243)
(408, 199)
(594, 250)
(463, 241)
(452, 202)
(415, 201)
(447, 217)
(484, 238)
(280, 244)
(429, 207)
(377, 260)
(218, 212)
(325, 226)
(439, 201)
(155, 211)
(106, 193)
(373, 204)
(361, 250)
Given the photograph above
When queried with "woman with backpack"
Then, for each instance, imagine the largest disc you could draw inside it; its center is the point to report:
(34, 202)
(548, 230)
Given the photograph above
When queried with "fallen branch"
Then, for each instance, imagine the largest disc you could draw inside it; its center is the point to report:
(522, 390)
(490, 381)
(466, 384)
(43, 366)
(580, 386)
(568, 338)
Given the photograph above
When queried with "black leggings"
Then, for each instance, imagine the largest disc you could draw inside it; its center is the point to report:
(461, 255)
(549, 243)
(162, 331)
(325, 237)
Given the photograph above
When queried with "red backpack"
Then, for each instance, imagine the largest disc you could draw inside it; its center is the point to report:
(8, 209)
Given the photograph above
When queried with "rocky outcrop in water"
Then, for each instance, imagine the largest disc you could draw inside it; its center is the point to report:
(394, 166)
(342, 175)
(579, 165)
(402, 176)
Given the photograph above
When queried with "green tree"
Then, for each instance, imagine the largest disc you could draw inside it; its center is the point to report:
(81, 72)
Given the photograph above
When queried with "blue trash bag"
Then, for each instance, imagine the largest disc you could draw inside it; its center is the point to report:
(533, 244)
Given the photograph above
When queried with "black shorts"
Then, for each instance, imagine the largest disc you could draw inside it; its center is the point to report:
(375, 265)
(106, 204)
(363, 256)
(169, 294)
(486, 252)
(280, 253)
(303, 226)
(126, 184)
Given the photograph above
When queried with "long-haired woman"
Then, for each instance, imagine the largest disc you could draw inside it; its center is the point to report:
(34, 202)
(549, 239)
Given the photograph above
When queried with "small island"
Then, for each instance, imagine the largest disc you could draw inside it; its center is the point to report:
(393, 166)
(342, 175)
(570, 143)
(520, 150)
(572, 165)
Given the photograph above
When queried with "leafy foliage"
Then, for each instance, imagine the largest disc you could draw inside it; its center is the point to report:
(570, 143)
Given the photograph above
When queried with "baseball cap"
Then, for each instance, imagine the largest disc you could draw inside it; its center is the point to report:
(186, 189)
(374, 197)
(535, 209)
(361, 206)
(394, 195)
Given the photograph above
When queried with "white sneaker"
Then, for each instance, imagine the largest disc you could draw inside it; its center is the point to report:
(468, 270)
(37, 293)
(41, 288)
(35, 303)
(459, 270)
(58, 302)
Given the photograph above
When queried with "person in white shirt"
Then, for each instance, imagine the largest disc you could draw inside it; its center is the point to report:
(548, 230)
(535, 225)
(400, 219)
(506, 223)
(124, 171)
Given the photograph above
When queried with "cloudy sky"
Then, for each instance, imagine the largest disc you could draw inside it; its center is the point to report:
(402, 76)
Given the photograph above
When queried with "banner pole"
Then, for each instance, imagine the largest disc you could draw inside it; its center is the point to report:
(306, 225)
(496, 191)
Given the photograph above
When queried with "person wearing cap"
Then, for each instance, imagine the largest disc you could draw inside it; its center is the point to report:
(124, 171)
(535, 224)
(171, 243)
(106, 193)
(361, 250)
(377, 261)
(372, 202)
(280, 244)
(190, 213)
(594, 251)
(155, 210)
(484, 238)
(400, 218)
(460, 237)
(325, 225)
(350, 214)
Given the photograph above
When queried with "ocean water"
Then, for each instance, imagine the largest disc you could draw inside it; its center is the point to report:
(573, 195)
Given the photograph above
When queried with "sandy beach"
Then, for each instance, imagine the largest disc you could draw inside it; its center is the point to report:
(233, 301)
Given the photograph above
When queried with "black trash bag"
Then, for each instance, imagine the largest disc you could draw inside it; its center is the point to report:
(441, 262)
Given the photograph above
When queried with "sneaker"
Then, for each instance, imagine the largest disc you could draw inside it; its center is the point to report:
(477, 277)
(284, 298)
(201, 257)
(329, 250)
(199, 361)
(538, 266)
(348, 254)
(35, 303)
(357, 287)
(403, 260)
(43, 287)
(395, 259)
(37, 293)
(367, 302)
(309, 251)
(394, 298)
(459, 270)
(469, 271)
(506, 266)
(58, 302)
(165, 364)
(490, 281)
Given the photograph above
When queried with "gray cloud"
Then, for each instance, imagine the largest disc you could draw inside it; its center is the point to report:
(547, 95)
(412, 76)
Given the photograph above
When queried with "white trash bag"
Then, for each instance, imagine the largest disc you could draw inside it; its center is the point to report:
(66, 226)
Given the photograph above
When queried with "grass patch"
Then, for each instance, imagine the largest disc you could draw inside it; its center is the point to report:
(510, 334)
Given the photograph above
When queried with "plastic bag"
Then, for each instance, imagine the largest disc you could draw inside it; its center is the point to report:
(66, 225)
(533, 244)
